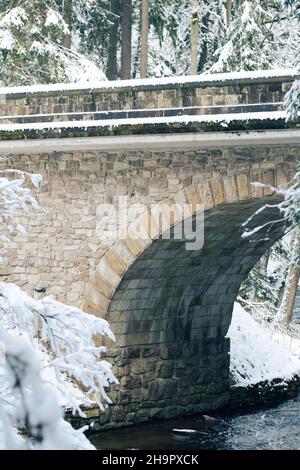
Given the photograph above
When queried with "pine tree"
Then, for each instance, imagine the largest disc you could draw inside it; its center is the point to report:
(92, 22)
(262, 291)
(32, 38)
(163, 36)
(246, 47)
(213, 25)
(292, 101)
(91, 36)
(112, 61)
(285, 312)
(194, 37)
(170, 35)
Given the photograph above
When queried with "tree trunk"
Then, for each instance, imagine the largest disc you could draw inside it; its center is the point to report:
(137, 54)
(145, 38)
(204, 50)
(68, 10)
(112, 67)
(228, 12)
(288, 300)
(194, 38)
(264, 261)
(126, 39)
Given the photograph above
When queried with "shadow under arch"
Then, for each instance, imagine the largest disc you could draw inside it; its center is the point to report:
(172, 310)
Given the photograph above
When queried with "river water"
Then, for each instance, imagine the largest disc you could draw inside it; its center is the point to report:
(274, 428)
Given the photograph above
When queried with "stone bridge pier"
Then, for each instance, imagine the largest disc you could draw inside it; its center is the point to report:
(171, 313)
(184, 141)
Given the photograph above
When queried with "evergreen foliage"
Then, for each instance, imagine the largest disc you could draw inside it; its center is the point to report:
(262, 291)
(250, 41)
(32, 49)
(70, 40)
(292, 102)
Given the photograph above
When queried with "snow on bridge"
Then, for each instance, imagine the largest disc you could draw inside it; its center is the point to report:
(231, 101)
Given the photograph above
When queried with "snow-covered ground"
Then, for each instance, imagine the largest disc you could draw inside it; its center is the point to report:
(259, 353)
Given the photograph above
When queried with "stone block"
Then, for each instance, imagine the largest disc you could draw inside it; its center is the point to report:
(243, 186)
(230, 188)
(206, 194)
(102, 286)
(217, 191)
(107, 273)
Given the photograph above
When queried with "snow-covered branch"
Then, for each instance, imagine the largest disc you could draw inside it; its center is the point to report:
(289, 209)
(48, 353)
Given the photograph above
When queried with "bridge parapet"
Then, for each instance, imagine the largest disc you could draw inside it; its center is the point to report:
(199, 99)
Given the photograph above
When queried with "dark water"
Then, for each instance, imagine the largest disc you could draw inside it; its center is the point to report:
(272, 428)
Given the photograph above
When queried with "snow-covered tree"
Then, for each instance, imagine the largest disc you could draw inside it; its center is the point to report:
(48, 355)
(289, 208)
(261, 293)
(285, 313)
(292, 208)
(170, 35)
(247, 40)
(71, 40)
(32, 35)
(289, 216)
(292, 101)
(92, 21)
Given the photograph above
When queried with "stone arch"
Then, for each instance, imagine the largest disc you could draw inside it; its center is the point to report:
(208, 194)
(170, 309)
(118, 259)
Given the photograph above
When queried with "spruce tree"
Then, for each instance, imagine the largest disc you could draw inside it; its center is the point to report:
(292, 100)
(31, 39)
(285, 313)
(32, 50)
(92, 22)
(261, 293)
(170, 35)
(246, 46)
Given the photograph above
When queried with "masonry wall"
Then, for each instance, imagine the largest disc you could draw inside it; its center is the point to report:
(229, 95)
(171, 311)
(62, 248)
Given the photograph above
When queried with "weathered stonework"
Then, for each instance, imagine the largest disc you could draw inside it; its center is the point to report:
(153, 100)
(169, 308)
(261, 394)
(62, 251)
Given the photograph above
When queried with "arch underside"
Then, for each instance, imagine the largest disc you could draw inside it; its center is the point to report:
(172, 310)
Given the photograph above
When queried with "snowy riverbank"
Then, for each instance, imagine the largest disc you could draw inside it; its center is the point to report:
(259, 353)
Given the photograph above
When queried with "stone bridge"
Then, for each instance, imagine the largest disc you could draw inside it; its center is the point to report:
(198, 141)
